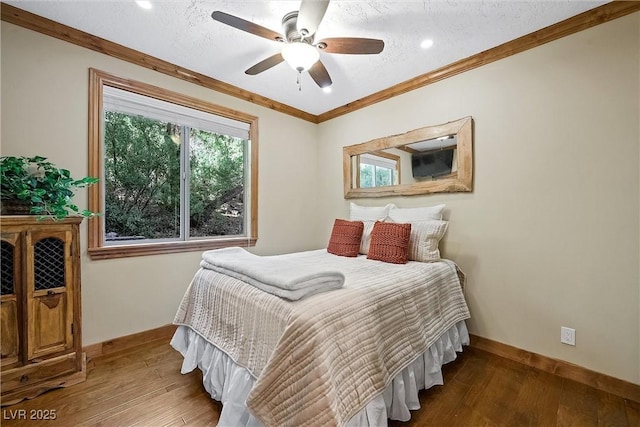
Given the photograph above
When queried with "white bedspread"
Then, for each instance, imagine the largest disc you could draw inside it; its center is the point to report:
(320, 360)
(273, 274)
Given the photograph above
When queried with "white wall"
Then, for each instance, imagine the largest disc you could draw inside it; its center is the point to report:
(549, 236)
(44, 111)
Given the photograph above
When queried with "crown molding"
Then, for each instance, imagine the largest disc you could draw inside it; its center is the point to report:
(22, 18)
(583, 21)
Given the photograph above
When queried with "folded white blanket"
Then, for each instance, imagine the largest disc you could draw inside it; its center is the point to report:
(273, 275)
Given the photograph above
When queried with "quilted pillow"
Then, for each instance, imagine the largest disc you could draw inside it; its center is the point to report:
(390, 242)
(416, 214)
(425, 238)
(345, 238)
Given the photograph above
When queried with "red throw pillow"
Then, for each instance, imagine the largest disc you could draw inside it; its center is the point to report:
(390, 242)
(345, 238)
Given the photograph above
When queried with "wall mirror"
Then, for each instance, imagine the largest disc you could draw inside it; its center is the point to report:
(432, 159)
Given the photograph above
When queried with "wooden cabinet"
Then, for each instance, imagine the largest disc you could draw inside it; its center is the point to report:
(40, 341)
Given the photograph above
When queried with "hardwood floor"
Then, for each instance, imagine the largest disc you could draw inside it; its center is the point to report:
(142, 386)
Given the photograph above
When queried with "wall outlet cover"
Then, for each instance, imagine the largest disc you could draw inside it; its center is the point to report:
(567, 335)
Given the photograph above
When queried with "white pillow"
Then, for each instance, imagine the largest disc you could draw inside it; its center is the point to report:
(416, 214)
(366, 237)
(369, 213)
(425, 238)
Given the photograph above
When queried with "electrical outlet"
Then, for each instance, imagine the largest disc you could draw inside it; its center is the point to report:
(567, 335)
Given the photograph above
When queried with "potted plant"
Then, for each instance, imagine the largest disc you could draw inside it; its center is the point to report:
(32, 185)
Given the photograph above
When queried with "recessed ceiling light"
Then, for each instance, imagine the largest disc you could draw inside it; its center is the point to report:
(426, 44)
(326, 89)
(145, 4)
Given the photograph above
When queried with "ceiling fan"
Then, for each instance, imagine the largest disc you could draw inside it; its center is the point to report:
(300, 50)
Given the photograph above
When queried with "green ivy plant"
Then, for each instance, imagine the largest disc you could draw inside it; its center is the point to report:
(45, 187)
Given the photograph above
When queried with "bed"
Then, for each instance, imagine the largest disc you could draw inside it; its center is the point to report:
(353, 356)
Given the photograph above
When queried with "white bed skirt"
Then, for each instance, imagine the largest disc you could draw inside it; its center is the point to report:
(230, 383)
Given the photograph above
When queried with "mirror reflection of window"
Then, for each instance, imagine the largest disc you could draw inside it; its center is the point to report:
(378, 170)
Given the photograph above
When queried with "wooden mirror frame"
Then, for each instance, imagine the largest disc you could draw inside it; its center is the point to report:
(460, 181)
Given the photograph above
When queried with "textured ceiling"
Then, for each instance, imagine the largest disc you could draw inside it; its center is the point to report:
(183, 33)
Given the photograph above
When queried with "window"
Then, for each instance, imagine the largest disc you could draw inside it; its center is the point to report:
(176, 173)
(378, 170)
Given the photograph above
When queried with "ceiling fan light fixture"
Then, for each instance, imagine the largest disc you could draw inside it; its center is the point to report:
(300, 56)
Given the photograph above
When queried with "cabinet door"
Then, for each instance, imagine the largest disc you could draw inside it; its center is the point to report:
(10, 309)
(49, 287)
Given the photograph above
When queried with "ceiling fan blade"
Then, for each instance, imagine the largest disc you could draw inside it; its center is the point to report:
(244, 25)
(320, 75)
(309, 16)
(265, 64)
(351, 45)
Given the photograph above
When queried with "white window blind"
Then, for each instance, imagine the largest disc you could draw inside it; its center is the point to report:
(122, 101)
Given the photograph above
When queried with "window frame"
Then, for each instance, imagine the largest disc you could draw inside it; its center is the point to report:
(96, 246)
(395, 170)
